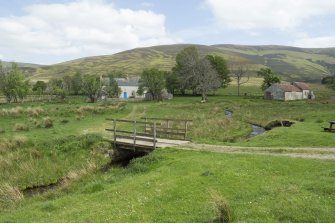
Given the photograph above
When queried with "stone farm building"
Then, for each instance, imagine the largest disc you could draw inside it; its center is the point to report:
(128, 88)
(288, 92)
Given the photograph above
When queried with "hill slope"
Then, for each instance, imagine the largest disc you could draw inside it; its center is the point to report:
(290, 62)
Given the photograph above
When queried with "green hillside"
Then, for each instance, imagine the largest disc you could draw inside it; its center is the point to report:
(29, 69)
(290, 62)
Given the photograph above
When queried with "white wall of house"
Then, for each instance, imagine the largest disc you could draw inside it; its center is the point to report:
(290, 96)
(128, 91)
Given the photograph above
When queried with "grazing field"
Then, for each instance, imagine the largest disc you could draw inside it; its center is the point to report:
(58, 147)
(183, 186)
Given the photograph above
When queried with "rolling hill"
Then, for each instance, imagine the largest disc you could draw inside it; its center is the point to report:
(292, 63)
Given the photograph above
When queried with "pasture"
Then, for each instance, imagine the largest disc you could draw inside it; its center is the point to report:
(61, 143)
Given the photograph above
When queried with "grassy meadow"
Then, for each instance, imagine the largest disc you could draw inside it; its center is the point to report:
(62, 143)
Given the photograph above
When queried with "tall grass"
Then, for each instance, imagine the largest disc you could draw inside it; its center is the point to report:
(19, 111)
(222, 208)
(21, 127)
(9, 195)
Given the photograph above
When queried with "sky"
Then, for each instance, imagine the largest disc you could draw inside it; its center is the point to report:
(54, 31)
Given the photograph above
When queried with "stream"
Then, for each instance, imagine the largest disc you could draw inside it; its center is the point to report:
(256, 130)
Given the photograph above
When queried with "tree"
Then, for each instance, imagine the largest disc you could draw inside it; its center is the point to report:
(153, 81)
(113, 88)
(76, 83)
(91, 87)
(329, 82)
(269, 77)
(172, 82)
(186, 64)
(240, 72)
(13, 84)
(206, 78)
(67, 84)
(221, 67)
(39, 87)
(55, 87)
(198, 74)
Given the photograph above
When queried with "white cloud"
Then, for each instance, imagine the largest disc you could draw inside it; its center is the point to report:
(316, 42)
(80, 28)
(267, 14)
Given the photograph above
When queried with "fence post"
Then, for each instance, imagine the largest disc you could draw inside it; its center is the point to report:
(145, 125)
(154, 134)
(134, 134)
(185, 130)
(114, 130)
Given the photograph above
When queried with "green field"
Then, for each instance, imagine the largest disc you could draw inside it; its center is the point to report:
(62, 143)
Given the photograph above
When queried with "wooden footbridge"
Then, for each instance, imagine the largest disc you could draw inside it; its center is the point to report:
(148, 134)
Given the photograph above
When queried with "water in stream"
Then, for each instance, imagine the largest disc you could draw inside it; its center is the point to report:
(256, 130)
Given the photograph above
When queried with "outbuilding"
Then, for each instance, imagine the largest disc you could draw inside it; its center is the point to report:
(289, 92)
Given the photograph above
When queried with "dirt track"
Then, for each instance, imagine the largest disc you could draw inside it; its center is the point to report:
(307, 153)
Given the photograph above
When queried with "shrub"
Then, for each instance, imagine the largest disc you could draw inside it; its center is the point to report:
(9, 195)
(2, 130)
(35, 112)
(21, 127)
(20, 140)
(222, 209)
(64, 121)
(47, 122)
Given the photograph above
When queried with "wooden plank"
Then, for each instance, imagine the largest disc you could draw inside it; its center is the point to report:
(137, 138)
(329, 129)
(128, 146)
(168, 119)
(172, 129)
(170, 133)
(129, 121)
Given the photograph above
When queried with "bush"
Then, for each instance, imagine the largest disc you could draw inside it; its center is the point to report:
(9, 195)
(35, 112)
(21, 127)
(64, 121)
(47, 122)
(20, 140)
(2, 130)
(222, 209)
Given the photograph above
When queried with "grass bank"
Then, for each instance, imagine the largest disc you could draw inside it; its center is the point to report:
(178, 186)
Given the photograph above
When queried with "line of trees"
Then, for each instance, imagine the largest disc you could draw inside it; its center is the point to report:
(15, 87)
(90, 85)
(201, 75)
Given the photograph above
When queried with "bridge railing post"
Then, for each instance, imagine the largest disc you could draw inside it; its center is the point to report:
(185, 130)
(114, 130)
(154, 135)
(134, 134)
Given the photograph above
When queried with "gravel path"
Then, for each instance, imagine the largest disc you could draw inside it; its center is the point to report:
(307, 153)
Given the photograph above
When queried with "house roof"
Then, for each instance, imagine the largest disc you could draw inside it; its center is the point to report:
(302, 85)
(127, 82)
(288, 88)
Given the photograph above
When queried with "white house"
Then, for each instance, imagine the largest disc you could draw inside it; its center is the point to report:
(287, 92)
(128, 88)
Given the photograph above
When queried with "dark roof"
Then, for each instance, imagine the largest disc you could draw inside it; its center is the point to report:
(302, 85)
(127, 82)
(288, 88)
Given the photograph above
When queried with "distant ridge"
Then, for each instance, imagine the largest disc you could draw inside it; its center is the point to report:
(292, 63)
